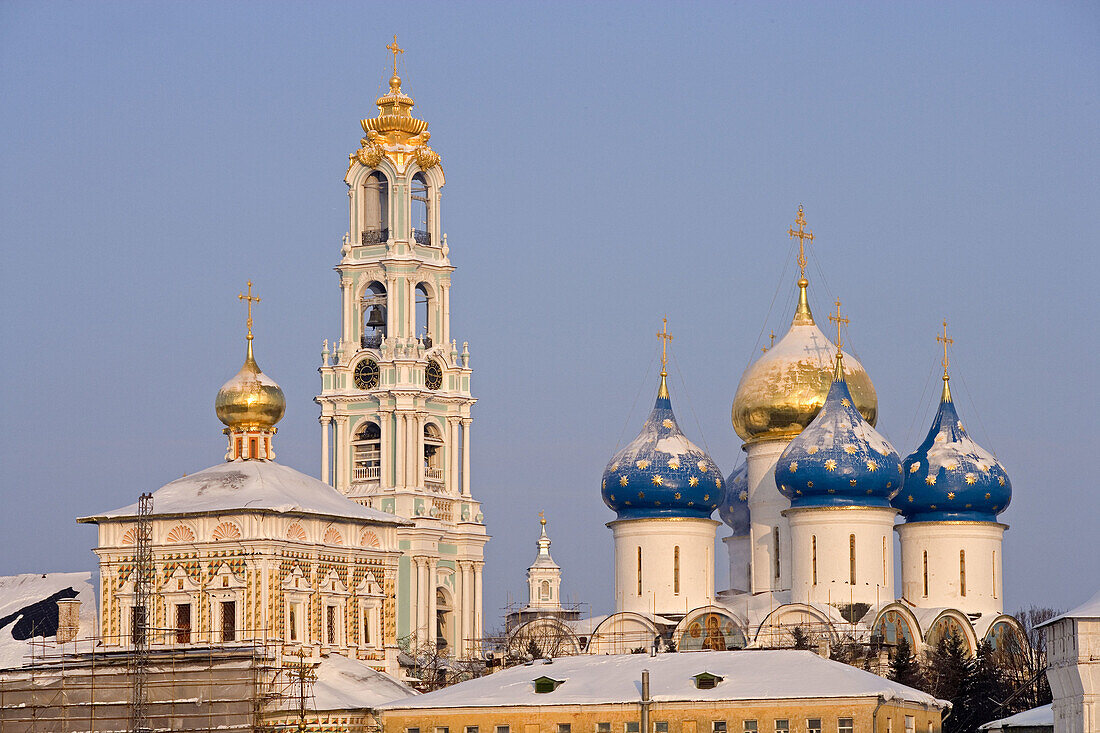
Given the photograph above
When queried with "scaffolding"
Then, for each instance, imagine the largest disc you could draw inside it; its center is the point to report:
(80, 687)
(144, 578)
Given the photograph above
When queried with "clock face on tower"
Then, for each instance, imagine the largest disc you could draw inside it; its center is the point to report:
(433, 376)
(366, 374)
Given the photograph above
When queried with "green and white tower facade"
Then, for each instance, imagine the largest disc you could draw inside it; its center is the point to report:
(395, 386)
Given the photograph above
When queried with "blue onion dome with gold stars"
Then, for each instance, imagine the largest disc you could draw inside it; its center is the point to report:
(949, 477)
(734, 511)
(661, 473)
(839, 459)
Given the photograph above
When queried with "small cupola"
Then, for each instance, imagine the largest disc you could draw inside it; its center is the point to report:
(949, 477)
(250, 404)
(839, 459)
(734, 511)
(661, 473)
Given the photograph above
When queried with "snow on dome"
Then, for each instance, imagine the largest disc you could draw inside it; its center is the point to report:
(661, 473)
(839, 459)
(613, 679)
(785, 388)
(734, 511)
(949, 477)
(242, 485)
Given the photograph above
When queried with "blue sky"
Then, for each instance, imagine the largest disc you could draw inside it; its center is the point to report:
(607, 164)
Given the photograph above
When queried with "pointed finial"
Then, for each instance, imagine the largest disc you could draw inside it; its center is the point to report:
(839, 320)
(542, 518)
(395, 50)
(946, 397)
(665, 337)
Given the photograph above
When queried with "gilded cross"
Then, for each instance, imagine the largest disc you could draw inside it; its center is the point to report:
(665, 337)
(395, 49)
(803, 234)
(772, 337)
(946, 342)
(251, 299)
(542, 518)
(838, 320)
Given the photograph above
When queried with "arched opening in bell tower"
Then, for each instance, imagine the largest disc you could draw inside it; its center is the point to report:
(420, 214)
(425, 315)
(376, 209)
(367, 448)
(372, 314)
(443, 618)
(433, 454)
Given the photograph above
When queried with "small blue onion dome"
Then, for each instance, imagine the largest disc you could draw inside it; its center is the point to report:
(950, 477)
(734, 511)
(661, 473)
(839, 459)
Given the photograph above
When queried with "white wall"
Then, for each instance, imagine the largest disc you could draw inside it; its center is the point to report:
(766, 506)
(943, 541)
(657, 539)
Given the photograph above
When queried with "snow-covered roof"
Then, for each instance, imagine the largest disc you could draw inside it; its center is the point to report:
(1088, 609)
(1042, 716)
(28, 612)
(349, 684)
(242, 485)
(746, 675)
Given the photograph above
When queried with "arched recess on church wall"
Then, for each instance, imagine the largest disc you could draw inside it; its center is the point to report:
(895, 621)
(226, 531)
(295, 531)
(426, 312)
(777, 627)
(553, 638)
(369, 538)
(621, 633)
(445, 611)
(951, 620)
(709, 627)
(1006, 635)
(332, 537)
(182, 532)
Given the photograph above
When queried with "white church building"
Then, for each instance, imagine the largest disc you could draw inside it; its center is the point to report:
(809, 518)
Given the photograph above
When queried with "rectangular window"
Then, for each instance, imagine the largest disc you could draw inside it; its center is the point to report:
(910, 724)
(775, 541)
(718, 726)
(639, 571)
(366, 628)
(883, 561)
(852, 559)
(442, 729)
(782, 726)
(994, 575)
(563, 727)
(603, 727)
(292, 622)
(252, 453)
(813, 725)
(412, 730)
(330, 625)
(660, 726)
(962, 572)
(471, 729)
(631, 727)
(137, 624)
(229, 620)
(183, 623)
(844, 725)
(750, 726)
(925, 561)
(676, 570)
(813, 556)
(503, 729)
(889, 725)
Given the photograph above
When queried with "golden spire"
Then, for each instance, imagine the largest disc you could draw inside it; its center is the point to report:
(839, 320)
(250, 298)
(946, 397)
(665, 337)
(802, 315)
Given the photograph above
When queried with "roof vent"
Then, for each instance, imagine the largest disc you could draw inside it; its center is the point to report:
(707, 681)
(546, 684)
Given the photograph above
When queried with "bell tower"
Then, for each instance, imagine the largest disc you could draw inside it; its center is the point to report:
(395, 386)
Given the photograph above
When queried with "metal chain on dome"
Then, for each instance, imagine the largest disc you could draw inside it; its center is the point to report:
(771, 306)
(974, 408)
(920, 406)
(702, 435)
(629, 415)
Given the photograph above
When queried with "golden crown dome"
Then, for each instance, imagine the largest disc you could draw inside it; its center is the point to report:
(782, 392)
(251, 399)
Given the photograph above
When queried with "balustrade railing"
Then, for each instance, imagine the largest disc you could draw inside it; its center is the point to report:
(367, 473)
(422, 237)
(376, 236)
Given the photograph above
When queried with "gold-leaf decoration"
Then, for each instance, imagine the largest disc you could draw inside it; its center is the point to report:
(426, 158)
(370, 155)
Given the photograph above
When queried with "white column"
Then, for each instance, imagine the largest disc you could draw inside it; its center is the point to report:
(459, 604)
(351, 341)
(445, 311)
(466, 456)
(326, 426)
(477, 604)
(452, 455)
(468, 605)
(391, 304)
(384, 462)
(419, 450)
(399, 447)
(410, 450)
(432, 608)
(341, 470)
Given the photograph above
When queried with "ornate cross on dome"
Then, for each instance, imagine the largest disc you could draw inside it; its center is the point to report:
(803, 234)
(395, 49)
(946, 342)
(838, 320)
(542, 518)
(665, 337)
(251, 299)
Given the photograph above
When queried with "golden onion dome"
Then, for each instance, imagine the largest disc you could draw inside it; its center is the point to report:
(782, 392)
(251, 399)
